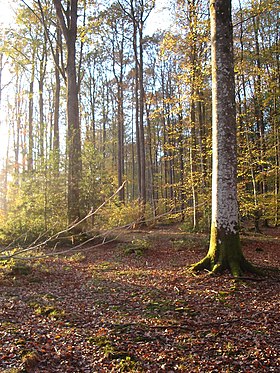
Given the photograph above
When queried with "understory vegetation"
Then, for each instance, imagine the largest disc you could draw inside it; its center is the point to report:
(143, 118)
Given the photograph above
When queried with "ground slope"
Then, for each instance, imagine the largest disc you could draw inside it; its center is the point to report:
(133, 307)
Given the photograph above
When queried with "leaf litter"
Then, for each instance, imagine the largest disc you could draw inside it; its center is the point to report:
(116, 310)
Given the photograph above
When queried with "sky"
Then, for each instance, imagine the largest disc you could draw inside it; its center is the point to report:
(160, 14)
(6, 12)
(159, 19)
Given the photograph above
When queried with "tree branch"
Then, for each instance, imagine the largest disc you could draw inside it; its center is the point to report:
(59, 12)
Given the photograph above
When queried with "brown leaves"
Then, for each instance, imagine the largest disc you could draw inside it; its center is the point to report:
(117, 312)
(31, 361)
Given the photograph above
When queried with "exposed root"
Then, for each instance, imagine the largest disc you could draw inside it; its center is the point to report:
(236, 267)
(217, 268)
(205, 263)
(249, 268)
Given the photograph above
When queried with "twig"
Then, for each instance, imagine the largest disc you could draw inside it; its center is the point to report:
(193, 326)
(68, 229)
(39, 245)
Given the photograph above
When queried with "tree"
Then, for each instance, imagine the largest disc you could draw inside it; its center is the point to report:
(56, 139)
(118, 26)
(68, 23)
(138, 12)
(225, 250)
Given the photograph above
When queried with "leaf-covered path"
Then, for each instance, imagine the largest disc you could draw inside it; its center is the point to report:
(133, 307)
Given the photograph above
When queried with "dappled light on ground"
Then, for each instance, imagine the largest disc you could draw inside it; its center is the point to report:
(134, 307)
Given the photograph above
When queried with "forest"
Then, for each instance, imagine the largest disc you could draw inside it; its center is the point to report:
(131, 132)
(141, 104)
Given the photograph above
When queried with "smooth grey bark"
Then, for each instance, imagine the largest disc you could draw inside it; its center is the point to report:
(30, 116)
(118, 64)
(225, 249)
(68, 23)
(56, 140)
(42, 73)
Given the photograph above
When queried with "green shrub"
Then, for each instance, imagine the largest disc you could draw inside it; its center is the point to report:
(137, 247)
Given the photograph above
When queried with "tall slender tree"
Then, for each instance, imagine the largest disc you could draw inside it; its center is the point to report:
(68, 23)
(225, 249)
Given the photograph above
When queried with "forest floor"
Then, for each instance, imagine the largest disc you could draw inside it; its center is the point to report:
(132, 306)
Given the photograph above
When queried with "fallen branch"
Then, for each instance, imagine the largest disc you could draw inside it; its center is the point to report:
(68, 229)
(38, 245)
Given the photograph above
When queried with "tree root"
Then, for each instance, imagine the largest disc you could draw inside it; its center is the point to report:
(236, 267)
(205, 263)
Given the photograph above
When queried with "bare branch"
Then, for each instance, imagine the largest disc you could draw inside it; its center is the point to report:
(59, 12)
(38, 245)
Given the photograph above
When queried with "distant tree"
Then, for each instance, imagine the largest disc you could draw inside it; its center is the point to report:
(118, 30)
(138, 12)
(225, 250)
(257, 74)
(56, 139)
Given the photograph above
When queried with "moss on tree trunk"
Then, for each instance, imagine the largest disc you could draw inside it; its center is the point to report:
(224, 254)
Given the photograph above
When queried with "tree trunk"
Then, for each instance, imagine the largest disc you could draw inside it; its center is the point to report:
(17, 127)
(136, 90)
(42, 71)
(69, 30)
(141, 119)
(30, 117)
(118, 61)
(258, 103)
(225, 249)
(74, 137)
(56, 140)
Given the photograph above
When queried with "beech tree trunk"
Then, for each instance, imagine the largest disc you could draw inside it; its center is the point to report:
(30, 116)
(42, 72)
(68, 24)
(56, 140)
(225, 249)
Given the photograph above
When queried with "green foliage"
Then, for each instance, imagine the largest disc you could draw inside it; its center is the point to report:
(222, 297)
(96, 185)
(77, 257)
(103, 266)
(105, 344)
(16, 267)
(128, 364)
(47, 311)
(137, 246)
(20, 268)
(35, 204)
(192, 241)
(116, 214)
